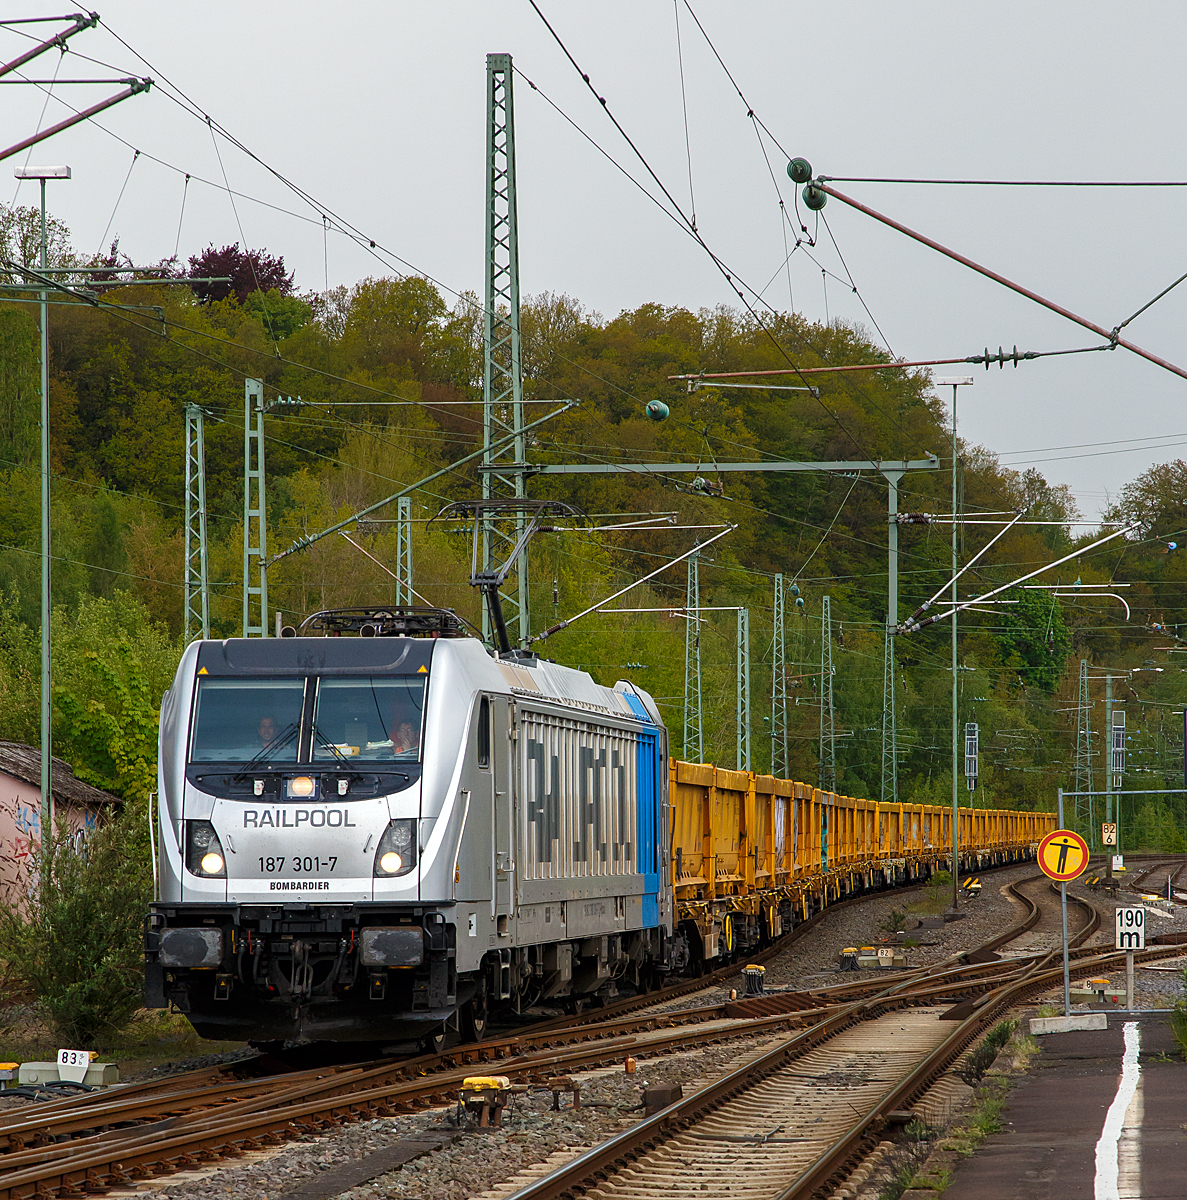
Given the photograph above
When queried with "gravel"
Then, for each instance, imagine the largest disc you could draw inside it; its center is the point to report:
(479, 1159)
(812, 962)
(474, 1161)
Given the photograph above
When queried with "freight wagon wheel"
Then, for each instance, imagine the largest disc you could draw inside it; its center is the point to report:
(472, 1019)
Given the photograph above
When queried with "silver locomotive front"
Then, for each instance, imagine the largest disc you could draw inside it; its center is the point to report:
(290, 828)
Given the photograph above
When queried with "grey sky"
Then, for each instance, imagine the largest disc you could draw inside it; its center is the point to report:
(378, 111)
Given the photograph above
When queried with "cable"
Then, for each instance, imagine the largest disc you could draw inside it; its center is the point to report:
(832, 238)
(115, 208)
(185, 191)
(684, 102)
(681, 219)
(1150, 303)
(1084, 183)
(824, 536)
(243, 238)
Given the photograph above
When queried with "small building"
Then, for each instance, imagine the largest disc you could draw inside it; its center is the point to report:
(76, 802)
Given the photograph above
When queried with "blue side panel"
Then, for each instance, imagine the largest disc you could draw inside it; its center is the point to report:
(636, 706)
(649, 794)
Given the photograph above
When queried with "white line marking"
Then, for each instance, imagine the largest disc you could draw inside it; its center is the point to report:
(1106, 1185)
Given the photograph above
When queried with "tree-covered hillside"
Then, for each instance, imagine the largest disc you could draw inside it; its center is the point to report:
(389, 374)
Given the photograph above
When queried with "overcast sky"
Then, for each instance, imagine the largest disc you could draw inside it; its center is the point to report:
(378, 111)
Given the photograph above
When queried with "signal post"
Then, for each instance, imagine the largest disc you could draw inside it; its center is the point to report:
(1063, 856)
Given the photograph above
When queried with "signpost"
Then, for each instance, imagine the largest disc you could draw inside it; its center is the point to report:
(1130, 936)
(1108, 833)
(1063, 855)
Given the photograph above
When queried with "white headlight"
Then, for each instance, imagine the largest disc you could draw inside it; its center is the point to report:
(391, 862)
(212, 863)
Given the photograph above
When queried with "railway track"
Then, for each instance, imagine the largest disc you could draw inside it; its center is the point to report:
(89, 1144)
(790, 1124)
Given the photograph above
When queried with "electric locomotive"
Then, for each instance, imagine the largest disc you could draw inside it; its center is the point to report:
(382, 830)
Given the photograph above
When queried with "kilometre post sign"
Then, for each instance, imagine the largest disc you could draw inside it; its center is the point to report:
(1063, 855)
(1131, 929)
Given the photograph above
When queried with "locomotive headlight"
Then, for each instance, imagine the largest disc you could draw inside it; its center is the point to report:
(396, 853)
(203, 851)
(300, 788)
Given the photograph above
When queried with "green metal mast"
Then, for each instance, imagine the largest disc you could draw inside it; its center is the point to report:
(404, 551)
(255, 515)
(828, 726)
(694, 729)
(197, 572)
(1083, 782)
(779, 754)
(889, 709)
(502, 386)
(743, 697)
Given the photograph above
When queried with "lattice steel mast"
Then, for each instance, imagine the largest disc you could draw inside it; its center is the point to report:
(779, 756)
(694, 730)
(743, 689)
(197, 572)
(404, 551)
(889, 724)
(502, 387)
(255, 515)
(1083, 760)
(828, 727)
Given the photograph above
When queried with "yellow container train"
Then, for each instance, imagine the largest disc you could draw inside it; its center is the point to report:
(752, 855)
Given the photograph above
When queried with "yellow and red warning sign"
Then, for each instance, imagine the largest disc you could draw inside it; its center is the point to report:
(1063, 855)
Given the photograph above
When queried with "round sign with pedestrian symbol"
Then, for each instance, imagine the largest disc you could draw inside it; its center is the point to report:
(1063, 855)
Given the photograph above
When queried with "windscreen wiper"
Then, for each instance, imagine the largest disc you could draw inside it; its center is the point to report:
(277, 744)
(354, 771)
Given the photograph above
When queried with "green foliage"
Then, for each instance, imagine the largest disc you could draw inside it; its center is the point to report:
(1035, 640)
(1178, 1017)
(76, 942)
(974, 1066)
(896, 922)
(107, 697)
(939, 890)
(118, 391)
(280, 315)
(20, 389)
(112, 662)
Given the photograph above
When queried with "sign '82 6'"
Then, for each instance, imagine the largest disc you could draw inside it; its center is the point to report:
(1131, 929)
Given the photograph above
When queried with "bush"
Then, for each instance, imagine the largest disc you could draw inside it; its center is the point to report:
(895, 923)
(75, 944)
(1178, 1020)
(981, 1059)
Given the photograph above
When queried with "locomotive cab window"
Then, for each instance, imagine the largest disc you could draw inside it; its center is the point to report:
(372, 719)
(484, 733)
(240, 720)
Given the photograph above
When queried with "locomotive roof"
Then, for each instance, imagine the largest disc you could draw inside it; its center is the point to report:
(527, 677)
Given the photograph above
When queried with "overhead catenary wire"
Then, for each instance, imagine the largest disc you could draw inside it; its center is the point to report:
(1053, 183)
(1110, 335)
(116, 206)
